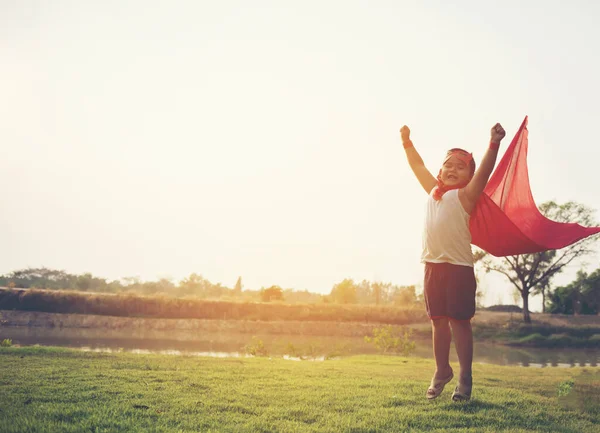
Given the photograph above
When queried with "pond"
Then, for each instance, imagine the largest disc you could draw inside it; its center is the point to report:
(180, 342)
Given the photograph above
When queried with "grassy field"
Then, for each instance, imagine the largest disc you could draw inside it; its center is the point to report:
(49, 390)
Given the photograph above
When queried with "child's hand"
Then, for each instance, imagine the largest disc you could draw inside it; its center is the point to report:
(498, 133)
(405, 133)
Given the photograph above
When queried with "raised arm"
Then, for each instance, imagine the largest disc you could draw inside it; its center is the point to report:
(425, 178)
(476, 186)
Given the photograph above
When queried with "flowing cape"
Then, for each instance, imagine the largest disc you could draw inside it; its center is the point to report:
(506, 220)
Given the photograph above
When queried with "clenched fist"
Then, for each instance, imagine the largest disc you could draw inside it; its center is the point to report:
(405, 134)
(498, 133)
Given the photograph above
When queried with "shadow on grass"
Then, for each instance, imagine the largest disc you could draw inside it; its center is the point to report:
(473, 406)
(478, 414)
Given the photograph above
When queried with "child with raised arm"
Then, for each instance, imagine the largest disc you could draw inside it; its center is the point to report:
(449, 283)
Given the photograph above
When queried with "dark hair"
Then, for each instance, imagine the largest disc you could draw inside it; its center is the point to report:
(472, 165)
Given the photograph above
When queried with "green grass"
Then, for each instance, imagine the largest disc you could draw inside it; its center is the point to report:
(49, 389)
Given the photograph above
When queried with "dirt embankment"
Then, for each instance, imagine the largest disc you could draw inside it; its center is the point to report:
(164, 307)
(201, 326)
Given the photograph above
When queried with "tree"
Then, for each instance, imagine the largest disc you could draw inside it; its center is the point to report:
(542, 289)
(238, 286)
(344, 292)
(380, 291)
(40, 278)
(528, 272)
(591, 292)
(88, 283)
(197, 285)
(364, 294)
(302, 297)
(404, 296)
(582, 296)
(273, 293)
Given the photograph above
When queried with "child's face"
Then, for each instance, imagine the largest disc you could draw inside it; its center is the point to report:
(455, 172)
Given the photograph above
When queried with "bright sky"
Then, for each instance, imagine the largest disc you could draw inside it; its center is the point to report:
(260, 139)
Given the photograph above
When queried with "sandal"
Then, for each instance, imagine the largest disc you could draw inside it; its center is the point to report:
(437, 386)
(462, 392)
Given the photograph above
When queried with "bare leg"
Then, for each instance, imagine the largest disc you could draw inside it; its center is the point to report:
(463, 340)
(442, 338)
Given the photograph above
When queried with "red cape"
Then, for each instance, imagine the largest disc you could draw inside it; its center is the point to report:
(506, 220)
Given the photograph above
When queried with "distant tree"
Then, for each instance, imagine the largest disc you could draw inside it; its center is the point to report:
(344, 292)
(163, 285)
(301, 297)
(238, 286)
(530, 271)
(40, 278)
(273, 293)
(542, 288)
(378, 290)
(132, 284)
(364, 292)
(197, 285)
(591, 291)
(582, 296)
(404, 296)
(88, 283)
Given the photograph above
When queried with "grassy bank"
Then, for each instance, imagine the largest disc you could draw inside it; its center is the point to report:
(47, 390)
(547, 331)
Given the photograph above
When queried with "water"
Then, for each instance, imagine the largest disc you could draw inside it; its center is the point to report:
(293, 347)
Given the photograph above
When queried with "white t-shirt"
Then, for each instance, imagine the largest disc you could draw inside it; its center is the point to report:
(446, 236)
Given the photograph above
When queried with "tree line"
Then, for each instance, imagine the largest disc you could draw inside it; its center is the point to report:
(581, 296)
(346, 292)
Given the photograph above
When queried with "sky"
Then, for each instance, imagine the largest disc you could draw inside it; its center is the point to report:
(260, 139)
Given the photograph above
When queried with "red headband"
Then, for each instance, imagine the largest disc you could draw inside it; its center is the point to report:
(460, 154)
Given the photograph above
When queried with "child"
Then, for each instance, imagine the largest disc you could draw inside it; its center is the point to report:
(449, 283)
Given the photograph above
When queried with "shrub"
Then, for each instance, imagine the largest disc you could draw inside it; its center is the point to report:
(595, 339)
(532, 339)
(563, 340)
(565, 388)
(292, 351)
(256, 348)
(392, 339)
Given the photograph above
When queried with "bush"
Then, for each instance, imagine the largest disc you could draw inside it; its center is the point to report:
(6, 343)
(273, 293)
(595, 339)
(292, 351)
(256, 348)
(391, 339)
(505, 308)
(563, 340)
(532, 340)
(565, 388)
